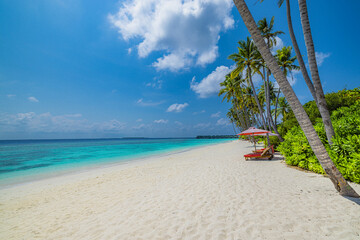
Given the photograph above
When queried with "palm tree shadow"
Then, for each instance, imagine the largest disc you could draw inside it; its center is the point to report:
(277, 157)
(354, 200)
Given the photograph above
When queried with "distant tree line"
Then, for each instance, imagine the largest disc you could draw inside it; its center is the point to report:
(216, 136)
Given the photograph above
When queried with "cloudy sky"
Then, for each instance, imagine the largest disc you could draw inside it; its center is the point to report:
(83, 69)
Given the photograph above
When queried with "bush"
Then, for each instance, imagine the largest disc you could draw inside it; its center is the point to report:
(345, 151)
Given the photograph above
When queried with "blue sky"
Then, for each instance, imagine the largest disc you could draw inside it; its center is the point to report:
(83, 69)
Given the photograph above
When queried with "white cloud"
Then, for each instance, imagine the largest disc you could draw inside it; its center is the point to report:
(223, 122)
(11, 95)
(178, 123)
(155, 83)
(112, 126)
(176, 107)
(141, 126)
(139, 120)
(33, 99)
(216, 115)
(279, 45)
(46, 122)
(173, 62)
(143, 103)
(200, 112)
(129, 50)
(292, 79)
(210, 85)
(161, 121)
(187, 31)
(320, 57)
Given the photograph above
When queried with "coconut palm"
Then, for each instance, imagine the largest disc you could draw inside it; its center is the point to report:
(314, 71)
(286, 63)
(284, 108)
(317, 91)
(266, 29)
(297, 49)
(248, 58)
(304, 121)
(231, 89)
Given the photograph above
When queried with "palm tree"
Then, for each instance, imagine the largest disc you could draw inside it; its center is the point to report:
(314, 71)
(248, 58)
(319, 149)
(286, 63)
(284, 108)
(266, 29)
(232, 92)
(317, 91)
(297, 50)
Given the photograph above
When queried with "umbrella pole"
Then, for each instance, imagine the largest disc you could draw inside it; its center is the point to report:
(254, 142)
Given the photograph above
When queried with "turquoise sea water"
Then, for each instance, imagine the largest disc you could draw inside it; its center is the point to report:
(26, 160)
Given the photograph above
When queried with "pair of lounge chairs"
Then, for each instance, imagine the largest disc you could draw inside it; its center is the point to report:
(265, 153)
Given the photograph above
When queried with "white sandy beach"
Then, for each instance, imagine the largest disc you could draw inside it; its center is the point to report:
(205, 193)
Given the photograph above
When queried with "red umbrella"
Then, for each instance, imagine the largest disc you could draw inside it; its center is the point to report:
(264, 134)
(254, 131)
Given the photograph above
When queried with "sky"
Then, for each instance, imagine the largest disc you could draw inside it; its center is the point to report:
(136, 68)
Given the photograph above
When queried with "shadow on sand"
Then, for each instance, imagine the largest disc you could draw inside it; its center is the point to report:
(355, 200)
(277, 157)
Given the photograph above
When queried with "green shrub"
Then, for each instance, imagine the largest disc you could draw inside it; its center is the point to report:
(345, 151)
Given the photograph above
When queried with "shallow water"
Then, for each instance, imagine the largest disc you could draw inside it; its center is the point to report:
(24, 160)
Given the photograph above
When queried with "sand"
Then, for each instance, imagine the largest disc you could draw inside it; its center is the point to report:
(205, 193)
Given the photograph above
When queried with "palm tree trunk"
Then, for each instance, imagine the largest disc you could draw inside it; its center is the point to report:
(256, 97)
(337, 179)
(237, 111)
(267, 85)
(268, 106)
(247, 120)
(298, 53)
(232, 124)
(276, 105)
(330, 133)
(257, 101)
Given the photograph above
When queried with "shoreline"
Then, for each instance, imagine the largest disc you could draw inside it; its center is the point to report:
(13, 182)
(206, 193)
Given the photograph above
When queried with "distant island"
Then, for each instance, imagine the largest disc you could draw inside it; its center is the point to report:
(216, 136)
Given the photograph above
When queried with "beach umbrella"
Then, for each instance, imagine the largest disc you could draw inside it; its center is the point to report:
(254, 131)
(264, 134)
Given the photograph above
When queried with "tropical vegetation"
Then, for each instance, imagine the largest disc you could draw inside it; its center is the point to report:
(344, 107)
(251, 107)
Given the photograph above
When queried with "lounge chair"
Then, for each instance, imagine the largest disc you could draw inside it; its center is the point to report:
(261, 150)
(267, 153)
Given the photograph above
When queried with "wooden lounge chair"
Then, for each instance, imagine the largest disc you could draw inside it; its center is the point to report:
(268, 153)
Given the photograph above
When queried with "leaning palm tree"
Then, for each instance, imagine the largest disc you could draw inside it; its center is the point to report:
(297, 49)
(304, 121)
(314, 71)
(317, 91)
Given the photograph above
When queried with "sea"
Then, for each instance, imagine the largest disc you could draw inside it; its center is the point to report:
(23, 161)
